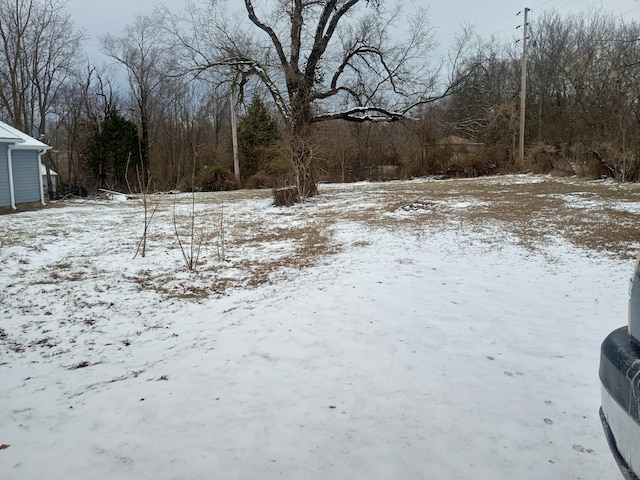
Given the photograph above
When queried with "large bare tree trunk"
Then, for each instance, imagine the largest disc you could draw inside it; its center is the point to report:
(304, 166)
(301, 137)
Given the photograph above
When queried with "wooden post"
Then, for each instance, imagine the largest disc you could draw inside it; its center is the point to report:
(234, 132)
(523, 84)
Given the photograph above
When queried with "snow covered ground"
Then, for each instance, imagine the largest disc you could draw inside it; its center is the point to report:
(407, 330)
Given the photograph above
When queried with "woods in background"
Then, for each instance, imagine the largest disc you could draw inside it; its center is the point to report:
(158, 111)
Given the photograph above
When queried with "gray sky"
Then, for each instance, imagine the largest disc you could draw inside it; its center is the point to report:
(488, 16)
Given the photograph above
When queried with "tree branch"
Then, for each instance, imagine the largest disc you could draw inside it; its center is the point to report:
(324, 33)
(363, 114)
(247, 67)
(296, 32)
(269, 31)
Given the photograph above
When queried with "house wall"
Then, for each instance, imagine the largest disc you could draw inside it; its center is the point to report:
(5, 198)
(26, 175)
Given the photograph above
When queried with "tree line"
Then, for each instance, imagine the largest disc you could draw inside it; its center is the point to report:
(326, 91)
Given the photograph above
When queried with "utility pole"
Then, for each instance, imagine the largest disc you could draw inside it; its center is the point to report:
(234, 132)
(523, 83)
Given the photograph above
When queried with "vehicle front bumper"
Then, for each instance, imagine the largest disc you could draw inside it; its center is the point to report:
(620, 411)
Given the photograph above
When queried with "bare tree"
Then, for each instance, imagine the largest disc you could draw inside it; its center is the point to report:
(319, 60)
(582, 105)
(488, 76)
(139, 50)
(38, 50)
(82, 106)
(188, 115)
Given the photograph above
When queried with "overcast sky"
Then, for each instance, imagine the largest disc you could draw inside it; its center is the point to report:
(488, 16)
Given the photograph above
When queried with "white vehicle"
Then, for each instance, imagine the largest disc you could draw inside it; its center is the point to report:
(620, 379)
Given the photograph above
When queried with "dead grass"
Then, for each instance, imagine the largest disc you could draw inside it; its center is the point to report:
(533, 211)
(82, 364)
(265, 246)
(576, 211)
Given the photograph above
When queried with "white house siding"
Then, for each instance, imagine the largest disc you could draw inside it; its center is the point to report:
(26, 175)
(5, 198)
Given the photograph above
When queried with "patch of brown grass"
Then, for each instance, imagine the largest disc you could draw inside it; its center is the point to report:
(579, 211)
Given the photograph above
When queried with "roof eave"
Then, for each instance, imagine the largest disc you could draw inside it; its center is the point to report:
(12, 140)
(42, 147)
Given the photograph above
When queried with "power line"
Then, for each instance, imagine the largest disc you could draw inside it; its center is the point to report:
(448, 38)
(541, 5)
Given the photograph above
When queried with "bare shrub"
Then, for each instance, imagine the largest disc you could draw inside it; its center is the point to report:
(438, 159)
(261, 180)
(221, 241)
(593, 162)
(190, 245)
(545, 158)
(502, 130)
(472, 166)
(630, 166)
(216, 179)
(144, 189)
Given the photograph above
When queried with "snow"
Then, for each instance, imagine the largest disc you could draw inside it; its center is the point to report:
(20, 139)
(422, 351)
